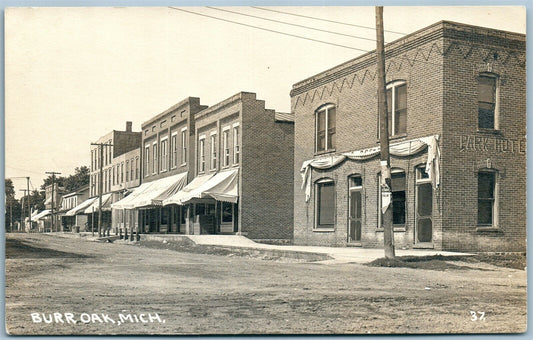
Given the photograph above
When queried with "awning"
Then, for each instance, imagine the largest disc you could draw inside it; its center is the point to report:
(152, 193)
(185, 192)
(224, 186)
(80, 207)
(106, 204)
(40, 215)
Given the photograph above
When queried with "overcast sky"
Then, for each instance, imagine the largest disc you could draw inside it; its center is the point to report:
(74, 74)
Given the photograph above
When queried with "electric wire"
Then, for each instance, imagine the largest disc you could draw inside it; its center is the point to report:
(291, 24)
(269, 30)
(326, 20)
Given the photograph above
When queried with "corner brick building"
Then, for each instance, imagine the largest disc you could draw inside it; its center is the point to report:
(457, 123)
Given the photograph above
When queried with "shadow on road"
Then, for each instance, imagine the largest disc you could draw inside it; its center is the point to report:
(19, 249)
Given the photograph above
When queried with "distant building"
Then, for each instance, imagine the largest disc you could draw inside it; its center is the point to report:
(457, 126)
(70, 201)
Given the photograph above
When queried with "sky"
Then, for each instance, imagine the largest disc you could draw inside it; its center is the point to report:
(75, 74)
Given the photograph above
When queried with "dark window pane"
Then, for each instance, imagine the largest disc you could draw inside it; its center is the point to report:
(424, 230)
(227, 212)
(321, 121)
(401, 97)
(398, 181)
(321, 142)
(485, 183)
(326, 204)
(398, 212)
(356, 181)
(331, 118)
(487, 89)
(400, 123)
(421, 173)
(331, 139)
(486, 115)
(484, 212)
(425, 199)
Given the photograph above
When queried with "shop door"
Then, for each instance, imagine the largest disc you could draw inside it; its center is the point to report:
(424, 211)
(355, 210)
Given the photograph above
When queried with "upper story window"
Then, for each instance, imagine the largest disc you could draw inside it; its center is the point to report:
(487, 101)
(184, 146)
(154, 156)
(225, 142)
(201, 154)
(236, 147)
(174, 150)
(213, 151)
(136, 167)
(164, 154)
(131, 169)
(122, 172)
(397, 107)
(127, 170)
(325, 123)
(146, 160)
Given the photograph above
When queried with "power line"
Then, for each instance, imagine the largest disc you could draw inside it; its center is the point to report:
(326, 20)
(291, 24)
(33, 172)
(269, 30)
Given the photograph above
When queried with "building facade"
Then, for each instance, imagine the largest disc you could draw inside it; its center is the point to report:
(457, 115)
(70, 201)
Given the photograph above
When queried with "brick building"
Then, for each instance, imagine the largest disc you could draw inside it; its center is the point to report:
(243, 167)
(457, 123)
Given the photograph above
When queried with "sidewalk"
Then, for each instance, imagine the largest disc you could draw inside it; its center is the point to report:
(337, 254)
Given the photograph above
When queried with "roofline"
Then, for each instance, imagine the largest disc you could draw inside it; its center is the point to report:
(226, 102)
(174, 107)
(435, 30)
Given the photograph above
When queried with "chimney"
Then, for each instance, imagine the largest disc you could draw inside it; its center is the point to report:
(128, 126)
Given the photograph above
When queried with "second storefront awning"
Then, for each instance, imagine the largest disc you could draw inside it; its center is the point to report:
(106, 204)
(224, 186)
(40, 215)
(152, 193)
(80, 207)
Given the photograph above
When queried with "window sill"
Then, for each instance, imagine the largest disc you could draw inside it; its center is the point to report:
(324, 230)
(395, 229)
(488, 229)
(489, 131)
(317, 153)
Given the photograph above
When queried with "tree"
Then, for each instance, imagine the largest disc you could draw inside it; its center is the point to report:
(37, 200)
(12, 204)
(78, 180)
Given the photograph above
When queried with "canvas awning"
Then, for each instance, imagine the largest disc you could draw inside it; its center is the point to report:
(152, 193)
(224, 186)
(195, 183)
(80, 207)
(40, 215)
(106, 204)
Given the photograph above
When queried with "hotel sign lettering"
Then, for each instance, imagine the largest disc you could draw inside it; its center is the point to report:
(481, 143)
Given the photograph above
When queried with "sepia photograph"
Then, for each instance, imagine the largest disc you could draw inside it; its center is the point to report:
(264, 169)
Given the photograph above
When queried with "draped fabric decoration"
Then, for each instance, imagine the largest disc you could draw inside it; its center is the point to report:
(399, 149)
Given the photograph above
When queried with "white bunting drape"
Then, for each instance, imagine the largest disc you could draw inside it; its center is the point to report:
(400, 149)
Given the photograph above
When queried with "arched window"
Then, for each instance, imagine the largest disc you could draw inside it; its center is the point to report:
(325, 204)
(325, 128)
(488, 101)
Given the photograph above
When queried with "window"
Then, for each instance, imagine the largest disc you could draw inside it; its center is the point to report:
(174, 150)
(397, 107)
(487, 101)
(398, 199)
(164, 154)
(201, 154)
(122, 172)
(162, 123)
(184, 146)
(146, 160)
(173, 118)
(226, 212)
(154, 160)
(325, 204)
(213, 151)
(131, 169)
(109, 179)
(110, 149)
(114, 181)
(325, 128)
(236, 145)
(225, 140)
(127, 171)
(136, 167)
(487, 199)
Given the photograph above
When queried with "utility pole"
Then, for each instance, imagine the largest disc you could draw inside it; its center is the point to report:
(22, 209)
(386, 187)
(100, 184)
(28, 188)
(53, 173)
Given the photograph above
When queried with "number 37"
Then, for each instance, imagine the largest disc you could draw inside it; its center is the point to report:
(477, 316)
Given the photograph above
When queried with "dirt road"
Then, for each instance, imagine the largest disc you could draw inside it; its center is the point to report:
(110, 288)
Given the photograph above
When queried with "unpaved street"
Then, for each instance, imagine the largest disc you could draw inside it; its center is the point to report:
(213, 294)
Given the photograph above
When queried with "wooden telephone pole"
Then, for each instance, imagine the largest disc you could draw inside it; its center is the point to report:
(386, 186)
(100, 184)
